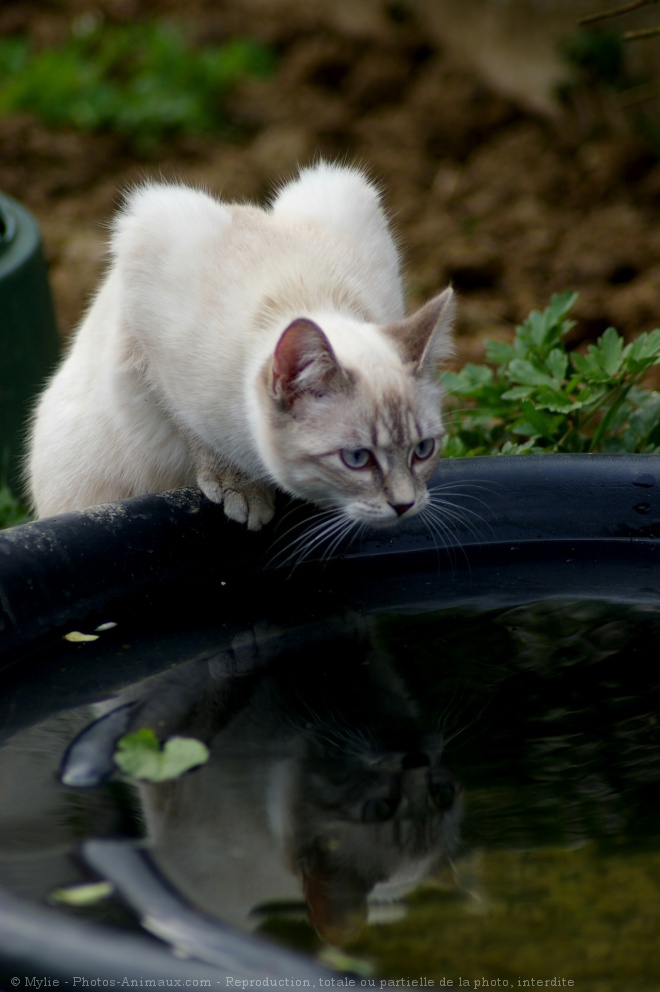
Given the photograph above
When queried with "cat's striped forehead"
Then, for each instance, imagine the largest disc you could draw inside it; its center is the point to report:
(394, 422)
(396, 415)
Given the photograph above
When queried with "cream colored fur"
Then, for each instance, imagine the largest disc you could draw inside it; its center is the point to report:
(248, 350)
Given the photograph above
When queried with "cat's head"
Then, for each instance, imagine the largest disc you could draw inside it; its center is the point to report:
(369, 828)
(352, 411)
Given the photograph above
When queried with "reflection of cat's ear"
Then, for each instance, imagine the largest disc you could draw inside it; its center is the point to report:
(337, 904)
(304, 362)
(425, 338)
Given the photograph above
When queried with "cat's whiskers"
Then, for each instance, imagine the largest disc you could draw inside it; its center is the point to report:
(342, 534)
(462, 703)
(328, 533)
(351, 741)
(332, 729)
(468, 724)
(305, 525)
(457, 488)
(325, 530)
(444, 535)
(451, 721)
(446, 515)
(462, 516)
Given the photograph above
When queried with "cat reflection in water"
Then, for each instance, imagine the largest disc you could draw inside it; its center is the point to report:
(251, 350)
(321, 786)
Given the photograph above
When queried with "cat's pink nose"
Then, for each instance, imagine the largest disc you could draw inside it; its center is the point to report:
(400, 508)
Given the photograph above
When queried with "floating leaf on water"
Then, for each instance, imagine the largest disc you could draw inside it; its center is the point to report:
(82, 895)
(141, 755)
(333, 957)
(77, 637)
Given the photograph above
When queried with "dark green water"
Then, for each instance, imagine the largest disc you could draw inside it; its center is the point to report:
(548, 714)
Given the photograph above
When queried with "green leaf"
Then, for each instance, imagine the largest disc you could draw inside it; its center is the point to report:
(643, 352)
(518, 393)
(543, 330)
(78, 637)
(588, 367)
(558, 309)
(470, 378)
(82, 895)
(527, 448)
(532, 332)
(527, 374)
(454, 447)
(645, 417)
(339, 961)
(535, 423)
(609, 351)
(141, 756)
(500, 352)
(557, 363)
(590, 394)
(556, 401)
(11, 512)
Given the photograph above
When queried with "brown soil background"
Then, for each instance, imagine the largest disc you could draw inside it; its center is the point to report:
(509, 205)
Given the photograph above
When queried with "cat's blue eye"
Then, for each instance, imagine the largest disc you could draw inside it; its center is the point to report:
(356, 457)
(424, 449)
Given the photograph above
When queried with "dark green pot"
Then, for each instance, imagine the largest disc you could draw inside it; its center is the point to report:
(28, 332)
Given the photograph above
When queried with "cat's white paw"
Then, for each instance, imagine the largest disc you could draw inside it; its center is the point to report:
(253, 505)
(246, 502)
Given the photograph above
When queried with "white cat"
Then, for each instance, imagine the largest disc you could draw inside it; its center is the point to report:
(249, 350)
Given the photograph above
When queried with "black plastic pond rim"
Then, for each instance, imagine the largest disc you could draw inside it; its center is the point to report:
(61, 567)
(29, 342)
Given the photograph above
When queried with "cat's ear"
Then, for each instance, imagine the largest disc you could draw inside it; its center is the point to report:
(304, 363)
(425, 338)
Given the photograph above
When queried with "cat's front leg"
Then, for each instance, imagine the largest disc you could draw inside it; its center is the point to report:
(245, 501)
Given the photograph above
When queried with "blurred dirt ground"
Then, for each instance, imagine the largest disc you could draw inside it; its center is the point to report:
(509, 205)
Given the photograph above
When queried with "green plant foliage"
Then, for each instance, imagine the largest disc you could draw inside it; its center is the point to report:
(598, 55)
(141, 756)
(536, 396)
(144, 80)
(11, 511)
